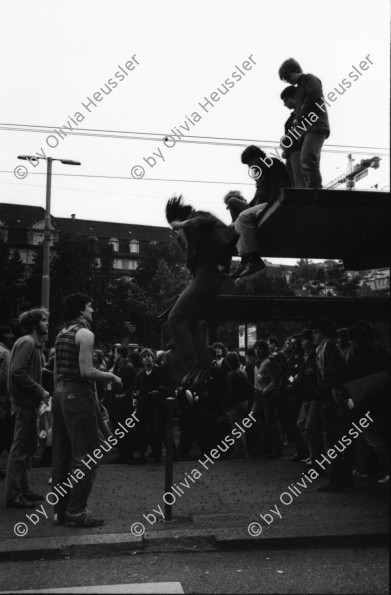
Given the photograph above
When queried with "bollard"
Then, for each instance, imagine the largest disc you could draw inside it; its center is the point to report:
(170, 402)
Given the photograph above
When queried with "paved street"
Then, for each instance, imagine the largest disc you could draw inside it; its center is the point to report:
(284, 571)
(318, 543)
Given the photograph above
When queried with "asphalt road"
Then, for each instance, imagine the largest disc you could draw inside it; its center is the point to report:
(318, 571)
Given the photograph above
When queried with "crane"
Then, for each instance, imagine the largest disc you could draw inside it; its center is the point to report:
(353, 173)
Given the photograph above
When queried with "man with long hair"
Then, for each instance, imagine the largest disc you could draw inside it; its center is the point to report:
(208, 243)
(75, 412)
(310, 117)
(27, 393)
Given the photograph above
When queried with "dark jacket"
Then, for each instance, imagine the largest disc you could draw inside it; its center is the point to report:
(330, 365)
(296, 143)
(127, 373)
(208, 239)
(26, 373)
(239, 388)
(271, 181)
(308, 378)
(309, 93)
(145, 384)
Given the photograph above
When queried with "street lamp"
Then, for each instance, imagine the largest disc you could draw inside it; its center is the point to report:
(46, 241)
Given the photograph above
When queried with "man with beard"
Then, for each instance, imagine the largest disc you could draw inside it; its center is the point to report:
(27, 393)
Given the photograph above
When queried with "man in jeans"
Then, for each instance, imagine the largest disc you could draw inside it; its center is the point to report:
(291, 146)
(311, 121)
(267, 384)
(270, 176)
(6, 417)
(27, 393)
(208, 244)
(75, 414)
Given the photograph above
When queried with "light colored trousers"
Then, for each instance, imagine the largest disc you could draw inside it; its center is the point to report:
(246, 225)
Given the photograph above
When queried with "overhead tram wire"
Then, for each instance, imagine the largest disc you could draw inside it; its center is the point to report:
(187, 139)
(37, 173)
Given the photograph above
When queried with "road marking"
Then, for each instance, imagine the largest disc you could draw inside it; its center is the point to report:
(132, 588)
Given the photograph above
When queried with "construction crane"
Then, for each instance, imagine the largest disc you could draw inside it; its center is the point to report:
(355, 173)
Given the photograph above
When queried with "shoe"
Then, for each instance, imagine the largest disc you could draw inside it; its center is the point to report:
(224, 269)
(306, 461)
(360, 475)
(20, 502)
(252, 268)
(31, 497)
(83, 519)
(236, 272)
(384, 479)
(59, 519)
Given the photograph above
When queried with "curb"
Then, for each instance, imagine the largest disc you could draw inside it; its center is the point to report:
(89, 546)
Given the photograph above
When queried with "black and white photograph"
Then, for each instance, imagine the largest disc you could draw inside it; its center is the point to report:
(195, 296)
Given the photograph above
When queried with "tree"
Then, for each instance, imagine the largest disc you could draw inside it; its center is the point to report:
(12, 280)
(162, 274)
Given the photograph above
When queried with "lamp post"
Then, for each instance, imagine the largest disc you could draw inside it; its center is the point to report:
(45, 292)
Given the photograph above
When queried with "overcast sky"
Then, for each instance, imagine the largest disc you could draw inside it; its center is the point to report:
(56, 54)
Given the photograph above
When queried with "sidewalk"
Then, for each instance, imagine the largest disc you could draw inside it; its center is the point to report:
(214, 510)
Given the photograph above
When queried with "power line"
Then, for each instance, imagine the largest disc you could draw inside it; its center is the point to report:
(129, 178)
(105, 192)
(187, 139)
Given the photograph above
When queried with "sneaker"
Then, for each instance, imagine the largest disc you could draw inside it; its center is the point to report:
(33, 497)
(384, 479)
(356, 473)
(237, 272)
(83, 519)
(252, 268)
(20, 502)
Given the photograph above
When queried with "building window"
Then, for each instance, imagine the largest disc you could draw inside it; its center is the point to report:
(134, 246)
(27, 256)
(125, 264)
(39, 236)
(115, 243)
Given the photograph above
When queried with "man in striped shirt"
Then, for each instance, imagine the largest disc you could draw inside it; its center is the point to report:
(75, 413)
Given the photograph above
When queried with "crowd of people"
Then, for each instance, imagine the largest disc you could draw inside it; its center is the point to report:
(298, 394)
(306, 394)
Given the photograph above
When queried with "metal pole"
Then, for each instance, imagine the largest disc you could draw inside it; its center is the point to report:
(169, 454)
(46, 241)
